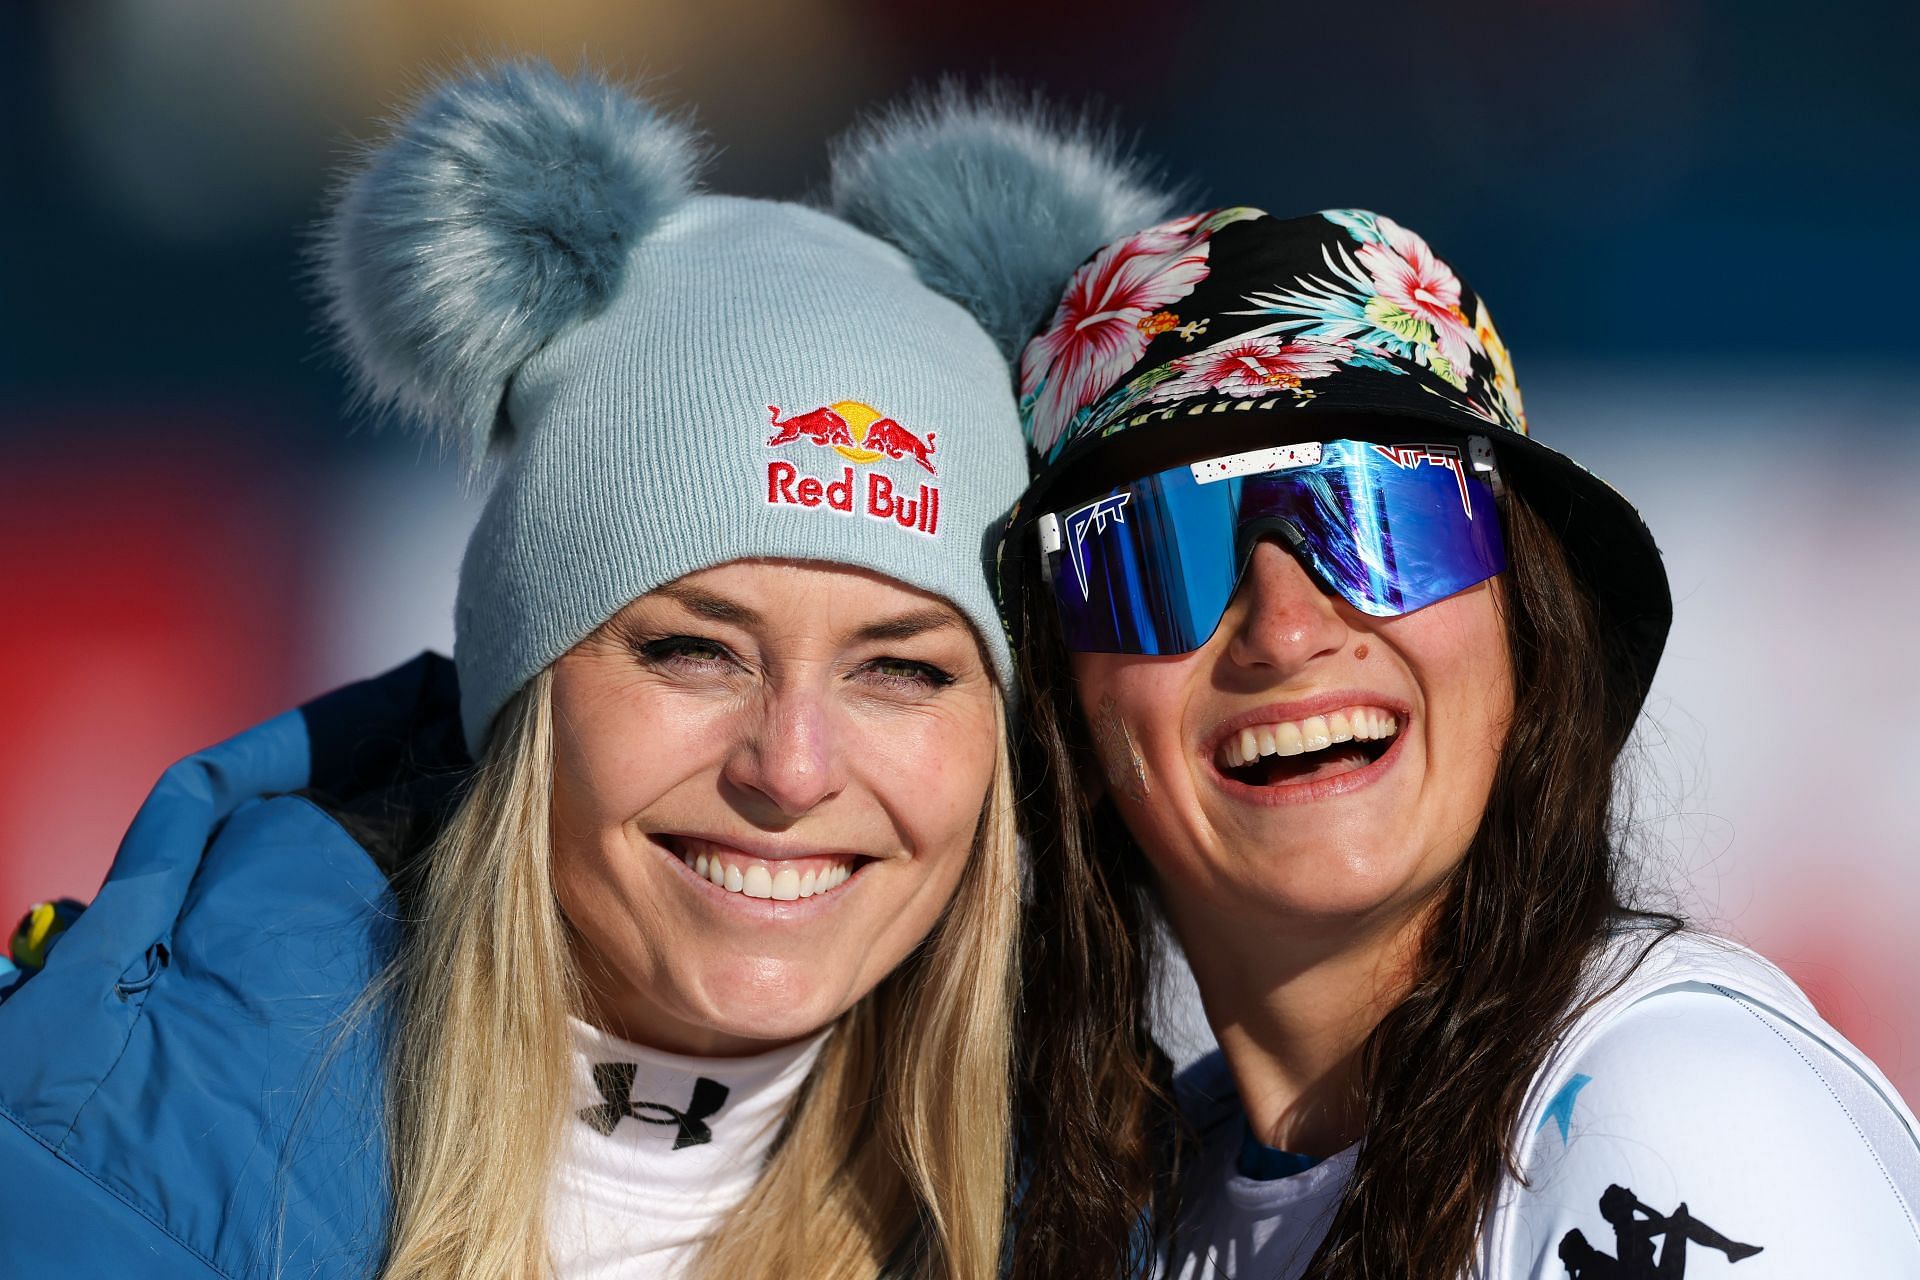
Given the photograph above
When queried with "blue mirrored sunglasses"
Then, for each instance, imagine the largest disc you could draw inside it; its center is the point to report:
(1149, 567)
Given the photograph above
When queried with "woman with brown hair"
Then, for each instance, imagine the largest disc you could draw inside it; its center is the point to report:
(1329, 665)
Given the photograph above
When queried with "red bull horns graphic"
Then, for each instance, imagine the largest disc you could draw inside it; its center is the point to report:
(862, 435)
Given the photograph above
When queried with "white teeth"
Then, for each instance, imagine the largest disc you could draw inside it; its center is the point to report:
(1315, 733)
(759, 881)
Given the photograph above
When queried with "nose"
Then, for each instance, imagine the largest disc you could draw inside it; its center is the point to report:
(791, 761)
(1280, 618)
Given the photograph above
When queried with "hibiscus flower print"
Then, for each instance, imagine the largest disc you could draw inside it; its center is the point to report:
(1256, 366)
(1114, 305)
(1408, 279)
(1390, 296)
(1100, 329)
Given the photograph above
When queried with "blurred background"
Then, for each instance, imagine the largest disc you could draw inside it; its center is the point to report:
(1691, 219)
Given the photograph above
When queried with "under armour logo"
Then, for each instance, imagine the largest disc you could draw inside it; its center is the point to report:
(615, 1082)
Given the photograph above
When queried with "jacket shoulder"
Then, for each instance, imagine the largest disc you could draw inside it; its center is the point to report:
(204, 1048)
(1699, 1123)
(221, 1083)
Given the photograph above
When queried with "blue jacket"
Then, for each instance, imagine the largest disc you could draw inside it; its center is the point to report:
(188, 1087)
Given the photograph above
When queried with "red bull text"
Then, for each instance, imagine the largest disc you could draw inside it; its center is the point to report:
(862, 435)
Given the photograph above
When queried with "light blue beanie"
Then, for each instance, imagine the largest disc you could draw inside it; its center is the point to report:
(656, 381)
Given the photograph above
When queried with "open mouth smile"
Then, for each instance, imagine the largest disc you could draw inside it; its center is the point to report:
(1309, 757)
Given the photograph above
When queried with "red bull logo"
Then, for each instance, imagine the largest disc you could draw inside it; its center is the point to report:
(856, 431)
(863, 435)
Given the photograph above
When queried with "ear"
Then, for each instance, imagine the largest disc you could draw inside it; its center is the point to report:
(499, 213)
(995, 197)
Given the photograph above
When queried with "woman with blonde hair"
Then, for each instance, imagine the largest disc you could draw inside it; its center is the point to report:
(669, 929)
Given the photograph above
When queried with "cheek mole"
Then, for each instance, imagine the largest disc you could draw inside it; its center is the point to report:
(1360, 653)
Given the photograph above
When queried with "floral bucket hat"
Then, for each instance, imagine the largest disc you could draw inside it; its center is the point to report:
(1196, 333)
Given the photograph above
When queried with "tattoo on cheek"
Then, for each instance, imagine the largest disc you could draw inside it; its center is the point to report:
(1126, 771)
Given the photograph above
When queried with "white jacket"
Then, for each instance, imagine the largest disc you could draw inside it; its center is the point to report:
(1700, 1120)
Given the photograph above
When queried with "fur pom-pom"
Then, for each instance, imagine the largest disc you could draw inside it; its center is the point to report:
(500, 212)
(995, 197)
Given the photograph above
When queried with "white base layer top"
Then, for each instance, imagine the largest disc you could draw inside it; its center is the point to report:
(659, 1150)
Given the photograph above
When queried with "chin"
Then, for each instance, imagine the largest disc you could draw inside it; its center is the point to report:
(1345, 889)
(768, 1000)
(1333, 881)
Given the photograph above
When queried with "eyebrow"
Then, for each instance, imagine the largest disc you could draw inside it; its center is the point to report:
(710, 606)
(907, 625)
(718, 608)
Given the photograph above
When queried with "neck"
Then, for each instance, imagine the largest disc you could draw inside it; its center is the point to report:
(1291, 1003)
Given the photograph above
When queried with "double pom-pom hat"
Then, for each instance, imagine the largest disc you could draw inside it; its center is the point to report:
(657, 379)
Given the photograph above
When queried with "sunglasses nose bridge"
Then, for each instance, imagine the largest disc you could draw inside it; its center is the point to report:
(1248, 535)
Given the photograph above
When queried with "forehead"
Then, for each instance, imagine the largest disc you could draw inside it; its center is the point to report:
(773, 592)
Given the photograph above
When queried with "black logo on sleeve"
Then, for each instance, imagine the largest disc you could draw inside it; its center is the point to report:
(1635, 1227)
(615, 1082)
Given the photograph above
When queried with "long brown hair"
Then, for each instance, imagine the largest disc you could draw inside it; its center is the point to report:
(1443, 1075)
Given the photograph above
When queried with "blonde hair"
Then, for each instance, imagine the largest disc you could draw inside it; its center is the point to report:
(895, 1154)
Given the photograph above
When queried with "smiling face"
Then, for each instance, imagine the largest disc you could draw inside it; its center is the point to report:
(767, 778)
(1309, 763)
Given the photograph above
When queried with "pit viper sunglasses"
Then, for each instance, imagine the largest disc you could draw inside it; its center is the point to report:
(1149, 567)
